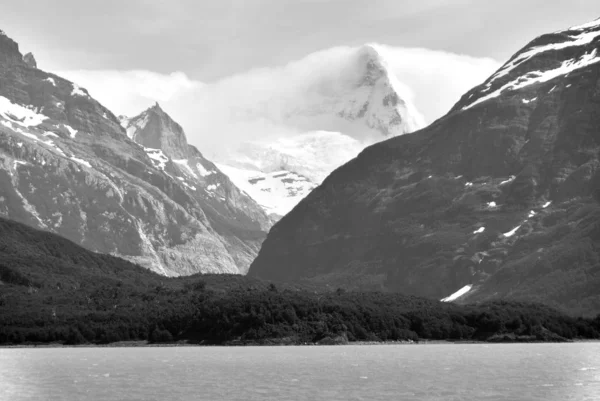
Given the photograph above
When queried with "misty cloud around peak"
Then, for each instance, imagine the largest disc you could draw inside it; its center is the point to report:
(281, 101)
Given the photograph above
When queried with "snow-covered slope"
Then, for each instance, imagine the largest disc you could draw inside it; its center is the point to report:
(570, 50)
(279, 174)
(313, 154)
(276, 192)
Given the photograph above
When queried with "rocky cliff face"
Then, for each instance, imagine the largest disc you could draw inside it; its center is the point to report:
(500, 198)
(67, 166)
(29, 59)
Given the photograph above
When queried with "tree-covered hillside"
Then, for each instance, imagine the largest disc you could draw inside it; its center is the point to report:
(52, 290)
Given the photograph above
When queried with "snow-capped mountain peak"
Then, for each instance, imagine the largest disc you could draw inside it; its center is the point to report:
(333, 118)
(364, 93)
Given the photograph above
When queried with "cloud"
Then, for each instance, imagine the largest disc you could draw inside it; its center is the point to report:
(129, 92)
(258, 104)
(437, 79)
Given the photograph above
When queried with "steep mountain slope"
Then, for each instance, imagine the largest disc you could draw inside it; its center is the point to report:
(336, 117)
(500, 197)
(67, 166)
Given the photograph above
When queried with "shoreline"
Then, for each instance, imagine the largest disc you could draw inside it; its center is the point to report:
(145, 344)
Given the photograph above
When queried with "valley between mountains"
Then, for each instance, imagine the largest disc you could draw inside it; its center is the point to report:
(365, 224)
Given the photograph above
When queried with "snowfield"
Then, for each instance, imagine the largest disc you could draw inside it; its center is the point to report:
(276, 192)
(457, 294)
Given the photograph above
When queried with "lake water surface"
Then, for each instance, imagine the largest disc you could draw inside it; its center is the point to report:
(376, 372)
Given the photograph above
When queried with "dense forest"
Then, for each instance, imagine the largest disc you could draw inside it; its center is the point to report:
(53, 291)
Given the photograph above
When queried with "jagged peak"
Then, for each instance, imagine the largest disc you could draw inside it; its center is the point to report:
(373, 53)
(380, 99)
(370, 57)
(156, 107)
(155, 128)
(29, 59)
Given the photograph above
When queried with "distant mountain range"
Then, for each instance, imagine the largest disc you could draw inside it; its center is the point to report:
(67, 166)
(500, 198)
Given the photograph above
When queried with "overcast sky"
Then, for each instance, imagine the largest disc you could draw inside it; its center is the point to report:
(208, 62)
(213, 39)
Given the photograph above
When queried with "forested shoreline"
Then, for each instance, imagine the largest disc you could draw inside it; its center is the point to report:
(53, 291)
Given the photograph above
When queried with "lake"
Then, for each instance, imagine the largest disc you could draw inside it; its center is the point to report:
(356, 372)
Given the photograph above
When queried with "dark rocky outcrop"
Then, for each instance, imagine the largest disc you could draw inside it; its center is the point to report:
(30, 60)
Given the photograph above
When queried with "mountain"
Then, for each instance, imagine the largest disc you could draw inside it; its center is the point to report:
(67, 166)
(500, 198)
(334, 118)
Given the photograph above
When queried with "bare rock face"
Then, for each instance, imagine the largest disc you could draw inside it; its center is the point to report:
(30, 60)
(67, 166)
(500, 197)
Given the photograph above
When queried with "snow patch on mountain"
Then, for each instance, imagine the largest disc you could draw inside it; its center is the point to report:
(184, 163)
(158, 158)
(81, 161)
(77, 91)
(20, 115)
(542, 76)
(72, 132)
(576, 37)
(592, 24)
(511, 232)
(276, 192)
(458, 294)
(132, 125)
(203, 171)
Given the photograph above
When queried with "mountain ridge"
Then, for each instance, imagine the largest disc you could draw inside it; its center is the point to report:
(67, 166)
